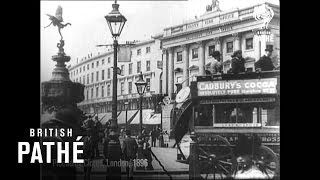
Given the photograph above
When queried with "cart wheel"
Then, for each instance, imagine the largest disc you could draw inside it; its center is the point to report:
(267, 162)
(216, 158)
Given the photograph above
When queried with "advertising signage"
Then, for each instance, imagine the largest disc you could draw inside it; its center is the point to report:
(238, 87)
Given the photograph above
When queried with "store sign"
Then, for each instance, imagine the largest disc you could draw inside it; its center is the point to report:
(237, 125)
(266, 138)
(238, 87)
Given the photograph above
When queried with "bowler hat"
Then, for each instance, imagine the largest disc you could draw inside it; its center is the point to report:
(128, 132)
(215, 54)
(236, 52)
(269, 49)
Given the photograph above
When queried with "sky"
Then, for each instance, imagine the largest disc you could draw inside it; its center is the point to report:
(89, 27)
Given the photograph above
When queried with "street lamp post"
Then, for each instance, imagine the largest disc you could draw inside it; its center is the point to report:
(116, 23)
(141, 86)
(126, 104)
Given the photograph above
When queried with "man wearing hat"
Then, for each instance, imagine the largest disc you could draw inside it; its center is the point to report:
(265, 62)
(237, 62)
(130, 149)
(216, 65)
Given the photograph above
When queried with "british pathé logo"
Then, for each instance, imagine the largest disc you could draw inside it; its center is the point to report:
(263, 13)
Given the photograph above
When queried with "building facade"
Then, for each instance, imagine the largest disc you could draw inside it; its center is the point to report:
(187, 47)
(177, 56)
(96, 74)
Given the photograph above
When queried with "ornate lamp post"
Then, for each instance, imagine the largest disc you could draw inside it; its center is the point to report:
(126, 105)
(116, 23)
(141, 87)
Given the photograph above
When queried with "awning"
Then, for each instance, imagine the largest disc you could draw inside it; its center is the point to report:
(155, 119)
(146, 115)
(105, 117)
(122, 116)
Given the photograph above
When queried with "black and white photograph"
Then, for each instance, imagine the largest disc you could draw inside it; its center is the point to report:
(176, 89)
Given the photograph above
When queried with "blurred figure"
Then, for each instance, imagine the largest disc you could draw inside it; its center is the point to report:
(88, 153)
(265, 62)
(216, 64)
(153, 137)
(237, 62)
(130, 149)
(166, 139)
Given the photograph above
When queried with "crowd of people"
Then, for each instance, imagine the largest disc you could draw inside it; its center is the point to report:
(132, 147)
(238, 63)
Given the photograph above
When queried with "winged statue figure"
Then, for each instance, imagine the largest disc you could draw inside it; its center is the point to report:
(57, 20)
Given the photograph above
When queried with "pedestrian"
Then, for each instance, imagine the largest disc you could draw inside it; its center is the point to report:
(153, 137)
(237, 62)
(216, 64)
(140, 140)
(265, 62)
(147, 152)
(88, 153)
(161, 144)
(130, 149)
(166, 139)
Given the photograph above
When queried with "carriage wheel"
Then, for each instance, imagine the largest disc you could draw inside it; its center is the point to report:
(216, 158)
(267, 162)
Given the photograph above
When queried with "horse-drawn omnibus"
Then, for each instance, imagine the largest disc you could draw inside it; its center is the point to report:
(233, 120)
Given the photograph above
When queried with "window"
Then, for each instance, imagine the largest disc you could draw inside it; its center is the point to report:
(122, 88)
(87, 66)
(194, 53)
(139, 52)
(109, 59)
(108, 90)
(97, 76)
(179, 56)
(87, 94)
(237, 115)
(130, 68)
(97, 64)
(138, 66)
(92, 65)
(80, 80)
(77, 71)
(84, 79)
(148, 84)
(102, 61)
(211, 50)
(102, 75)
(230, 47)
(108, 73)
(88, 79)
(102, 91)
(84, 68)
(148, 65)
(80, 70)
(147, 49)
(91, 77)
(97, 92)
(249, 43)
(129, 87)
(91, 93)
(122, 70)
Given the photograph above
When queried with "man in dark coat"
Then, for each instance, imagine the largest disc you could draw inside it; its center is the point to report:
(265, 62)
(130, 149)
(237, 62)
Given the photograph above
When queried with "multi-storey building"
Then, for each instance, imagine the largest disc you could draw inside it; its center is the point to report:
(96, 74)
(183, 52)
(187, 47)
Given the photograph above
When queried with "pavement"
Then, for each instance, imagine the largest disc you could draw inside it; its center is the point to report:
(167, 157)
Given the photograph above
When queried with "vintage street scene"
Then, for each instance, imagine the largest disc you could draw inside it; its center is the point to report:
(162, 89)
